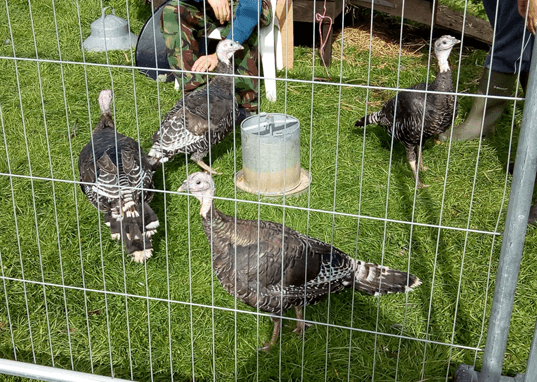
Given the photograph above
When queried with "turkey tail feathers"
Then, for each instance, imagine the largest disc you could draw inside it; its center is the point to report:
(131, 230)
(368, 120)
(376, 279)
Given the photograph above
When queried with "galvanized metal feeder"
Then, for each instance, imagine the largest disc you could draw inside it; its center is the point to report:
(109, 32)
(271, 156)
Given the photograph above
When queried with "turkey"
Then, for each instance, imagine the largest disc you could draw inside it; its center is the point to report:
(309, 270)
(187, 127)
(110, 160)
(412, 112)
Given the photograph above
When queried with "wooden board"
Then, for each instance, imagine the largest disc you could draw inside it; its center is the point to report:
(475, 27)
(284, 13)
(444, 17)
(416, 10)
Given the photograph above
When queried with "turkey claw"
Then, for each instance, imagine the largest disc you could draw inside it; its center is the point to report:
(207, 168)
(266, 348)
(214, 172)
(300, 327)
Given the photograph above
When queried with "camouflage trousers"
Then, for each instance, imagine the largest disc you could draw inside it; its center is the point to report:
(183, 46)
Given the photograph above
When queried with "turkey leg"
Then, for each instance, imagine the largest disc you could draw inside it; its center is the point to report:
(207, 168)
(300, 324)
(275, 333)
(412, 160)
(420, 155)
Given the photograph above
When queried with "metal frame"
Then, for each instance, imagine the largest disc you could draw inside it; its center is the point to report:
(509, 265)
(48, 373)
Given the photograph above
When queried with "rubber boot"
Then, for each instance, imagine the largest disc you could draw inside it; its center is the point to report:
(500, 84)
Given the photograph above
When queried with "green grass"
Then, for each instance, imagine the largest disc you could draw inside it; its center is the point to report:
(52, 234)
(471, 7)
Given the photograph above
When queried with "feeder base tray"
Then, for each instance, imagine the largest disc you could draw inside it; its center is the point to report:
(304, 183)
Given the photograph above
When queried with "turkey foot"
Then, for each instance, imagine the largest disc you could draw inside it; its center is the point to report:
(422, 167)
(275, 333)
(300, 324)
(412, 160)
(421, 185)
(207, 168)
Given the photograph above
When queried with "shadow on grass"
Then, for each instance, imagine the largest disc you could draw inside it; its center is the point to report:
(329, 351)
(446, 275)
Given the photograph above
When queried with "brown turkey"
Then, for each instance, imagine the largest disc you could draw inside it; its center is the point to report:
(187, 127)
(114, 169)
(414, 113)
(308, 271)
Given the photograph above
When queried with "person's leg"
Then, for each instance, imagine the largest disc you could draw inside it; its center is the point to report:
(510, 53)
(485, 111)
(246, 61)
(247, 64)
(182, 39)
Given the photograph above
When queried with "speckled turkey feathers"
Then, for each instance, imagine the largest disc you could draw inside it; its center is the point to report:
(111, 160)
(404, 115)
(187, 128)
(310, 268)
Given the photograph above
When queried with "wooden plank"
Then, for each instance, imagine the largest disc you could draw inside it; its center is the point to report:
(421, 11)
(416, 10)
(475, 27)
(284, 13)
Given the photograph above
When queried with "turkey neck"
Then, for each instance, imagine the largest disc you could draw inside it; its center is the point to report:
(442, 82)
(222, 67)
(219, 229)
(219, 226)
(443, 63)
(106, 122)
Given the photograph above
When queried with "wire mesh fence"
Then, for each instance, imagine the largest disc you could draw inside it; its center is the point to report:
(74, 300)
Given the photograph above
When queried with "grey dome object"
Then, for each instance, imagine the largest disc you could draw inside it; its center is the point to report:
(109, 32)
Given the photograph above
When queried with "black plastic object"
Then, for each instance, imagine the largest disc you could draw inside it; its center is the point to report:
(149, 38)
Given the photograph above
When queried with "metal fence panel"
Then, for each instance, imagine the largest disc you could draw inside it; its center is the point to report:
(75, 307)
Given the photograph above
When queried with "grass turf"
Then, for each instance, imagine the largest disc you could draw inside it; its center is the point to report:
(156, 322)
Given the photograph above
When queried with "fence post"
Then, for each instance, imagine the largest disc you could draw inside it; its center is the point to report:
(531, 370)
(514, 234)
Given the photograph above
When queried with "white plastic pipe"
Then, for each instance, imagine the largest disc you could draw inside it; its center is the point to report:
(48, 373)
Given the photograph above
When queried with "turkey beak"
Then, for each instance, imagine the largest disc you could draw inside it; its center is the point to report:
(183, 188)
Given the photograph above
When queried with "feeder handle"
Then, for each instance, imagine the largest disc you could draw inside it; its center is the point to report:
(270, 123)
(104, 10)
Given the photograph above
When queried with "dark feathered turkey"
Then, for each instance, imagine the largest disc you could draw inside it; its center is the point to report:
(309, 270)
(414, 112)
(187, 128)
(117, 170)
